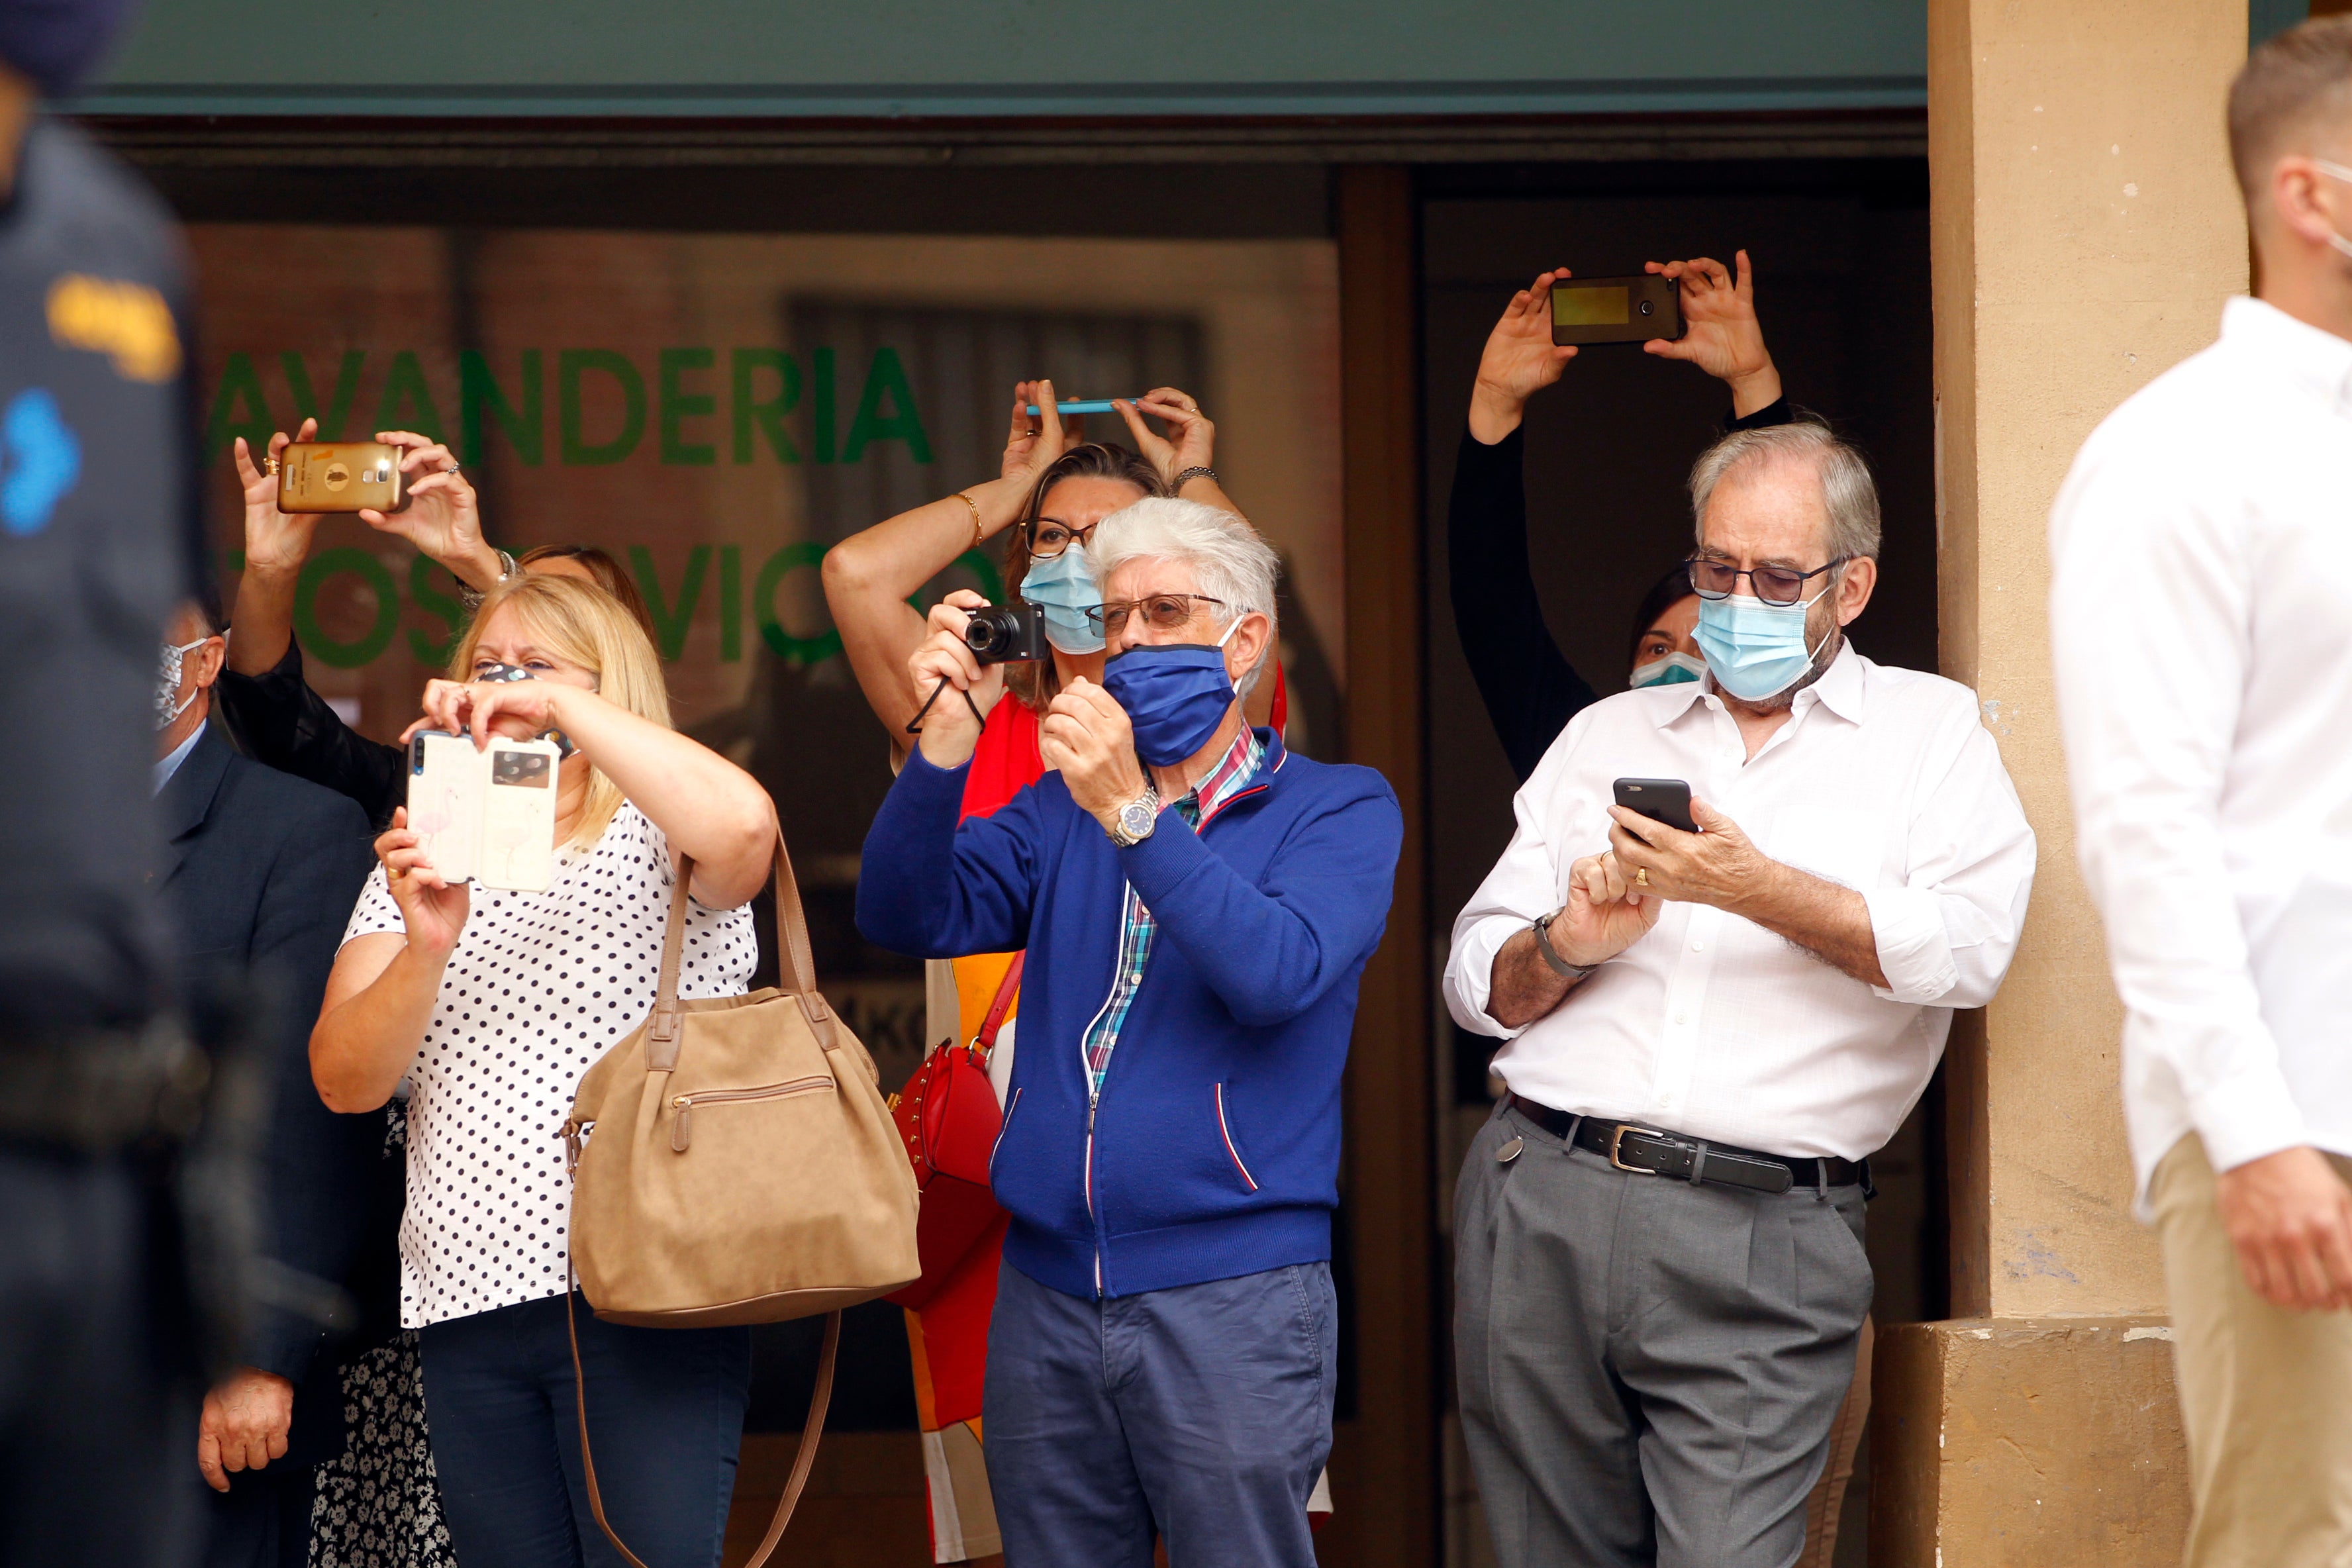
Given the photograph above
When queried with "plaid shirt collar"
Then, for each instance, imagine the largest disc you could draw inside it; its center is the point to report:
(1234, 773)
(1227, 782)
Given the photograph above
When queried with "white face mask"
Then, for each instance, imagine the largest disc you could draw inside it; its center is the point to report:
(168, 703)
(2336, 172)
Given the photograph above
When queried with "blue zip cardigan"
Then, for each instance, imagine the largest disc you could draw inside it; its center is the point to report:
(1215, 1146)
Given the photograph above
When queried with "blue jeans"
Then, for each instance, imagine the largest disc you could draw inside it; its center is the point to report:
(1202, 1412)
(665, 1414)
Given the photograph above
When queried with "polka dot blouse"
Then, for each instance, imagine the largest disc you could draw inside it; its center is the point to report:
(540, 985)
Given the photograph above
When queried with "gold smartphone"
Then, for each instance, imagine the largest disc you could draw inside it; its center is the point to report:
(341, 476)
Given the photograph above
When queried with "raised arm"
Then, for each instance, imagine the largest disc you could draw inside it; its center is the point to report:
(440, 520)
(276, 545)
(1528, 686)
(1721, 334)
(869, 576)
(1190, 444)
(262, 695)
(705, 805)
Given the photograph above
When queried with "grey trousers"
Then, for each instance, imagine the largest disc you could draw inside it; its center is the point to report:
(1648, 1369)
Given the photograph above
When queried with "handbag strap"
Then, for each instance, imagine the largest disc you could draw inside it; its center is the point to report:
(803, 1458)
(1006, 990)
(796, 965)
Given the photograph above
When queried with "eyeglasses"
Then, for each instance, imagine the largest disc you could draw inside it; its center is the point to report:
(1048, 539)
(1773, 585)
(1160, 612)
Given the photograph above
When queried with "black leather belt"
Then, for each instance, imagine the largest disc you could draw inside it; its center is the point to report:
(1655, 1151)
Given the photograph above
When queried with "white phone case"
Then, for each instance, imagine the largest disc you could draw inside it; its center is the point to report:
(485, 816)
(444, 801)
(517, 850)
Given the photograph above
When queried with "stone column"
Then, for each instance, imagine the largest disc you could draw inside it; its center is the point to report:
(2086, 231)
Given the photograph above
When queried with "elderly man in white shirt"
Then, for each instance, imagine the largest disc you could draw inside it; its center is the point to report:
(2201, 619)
(1660, 1274)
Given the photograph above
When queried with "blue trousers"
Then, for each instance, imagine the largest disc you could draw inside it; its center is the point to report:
(665, 1415)
(1202, 1413)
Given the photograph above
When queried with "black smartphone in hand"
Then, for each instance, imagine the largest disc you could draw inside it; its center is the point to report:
(1660, 800)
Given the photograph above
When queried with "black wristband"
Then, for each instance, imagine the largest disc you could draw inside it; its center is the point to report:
(1560, 966)
(1189, 474)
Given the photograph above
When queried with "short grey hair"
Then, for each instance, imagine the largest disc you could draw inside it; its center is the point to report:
(1848, 493)
(1230, 562)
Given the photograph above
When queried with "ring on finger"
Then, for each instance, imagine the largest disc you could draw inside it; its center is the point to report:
(1640, 876)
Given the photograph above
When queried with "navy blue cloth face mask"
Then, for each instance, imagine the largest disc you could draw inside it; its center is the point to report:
(1175, 695)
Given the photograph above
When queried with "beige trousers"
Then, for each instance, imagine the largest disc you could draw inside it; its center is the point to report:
(2266, 1393)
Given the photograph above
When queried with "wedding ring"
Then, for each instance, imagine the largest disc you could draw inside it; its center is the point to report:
(271, 465)
(1640, 876)
(452, 467)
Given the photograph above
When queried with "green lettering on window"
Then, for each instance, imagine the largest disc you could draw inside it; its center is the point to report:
(677, 404)
(239, 384)
(670, 621)
(795, 650)
(571, 364)
(888, 378)
(821, 392)
(407, 403)
(478, 393)
(378, 636)
(730, 603)
(339, 402)
(767, 416)
(434, 603)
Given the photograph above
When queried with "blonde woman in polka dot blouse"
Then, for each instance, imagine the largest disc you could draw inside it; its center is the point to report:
(491, 1006)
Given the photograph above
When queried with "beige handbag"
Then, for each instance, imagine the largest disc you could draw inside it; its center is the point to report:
(743, 1169)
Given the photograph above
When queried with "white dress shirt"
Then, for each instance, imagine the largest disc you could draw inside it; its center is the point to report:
(169, 763)
(1883, 781)
(2200, 610)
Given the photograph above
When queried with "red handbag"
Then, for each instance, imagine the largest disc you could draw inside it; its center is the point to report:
(949, 1118)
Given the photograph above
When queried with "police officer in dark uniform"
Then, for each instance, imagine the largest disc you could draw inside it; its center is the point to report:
(99, 537)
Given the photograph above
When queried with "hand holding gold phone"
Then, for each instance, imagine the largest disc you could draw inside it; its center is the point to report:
(341, 476)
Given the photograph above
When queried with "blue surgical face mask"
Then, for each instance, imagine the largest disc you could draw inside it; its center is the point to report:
(1063, 587)
(1174, 695)
(1757, 650)
(1668, 670)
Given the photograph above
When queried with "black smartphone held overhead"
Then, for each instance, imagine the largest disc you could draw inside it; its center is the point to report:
(1660, 800)
(1616, 309)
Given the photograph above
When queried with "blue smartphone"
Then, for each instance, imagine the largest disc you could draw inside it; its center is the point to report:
(1079, 406)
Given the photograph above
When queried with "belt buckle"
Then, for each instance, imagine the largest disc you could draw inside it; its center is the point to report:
(1618, 1137)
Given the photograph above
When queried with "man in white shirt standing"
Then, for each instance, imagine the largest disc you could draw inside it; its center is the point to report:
(2201, 616)
(1659, 1268)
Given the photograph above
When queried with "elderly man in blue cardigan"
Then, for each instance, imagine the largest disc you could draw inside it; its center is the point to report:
(1197, 908)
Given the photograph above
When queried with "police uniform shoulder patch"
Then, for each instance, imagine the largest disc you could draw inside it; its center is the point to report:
(129, 323)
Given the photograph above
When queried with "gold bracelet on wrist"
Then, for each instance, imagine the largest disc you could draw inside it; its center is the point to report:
(978, 533)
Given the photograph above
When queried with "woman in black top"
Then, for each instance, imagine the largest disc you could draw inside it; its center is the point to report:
(1531, 691)
(262, 695)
